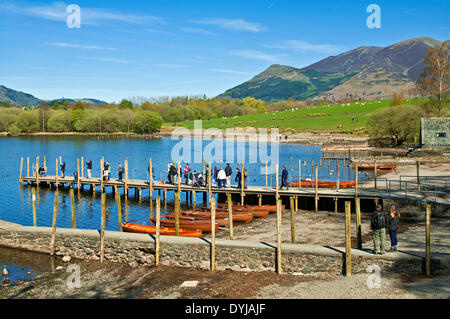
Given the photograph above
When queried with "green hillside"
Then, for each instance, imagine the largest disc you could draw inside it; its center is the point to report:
(325, 118)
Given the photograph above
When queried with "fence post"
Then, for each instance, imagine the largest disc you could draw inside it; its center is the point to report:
(230, 215)
(55, 213)
(158, 224)
(213, 233)
(292, 204)
(102, 229)
(348, 240)
(279, 269)
(428, 242)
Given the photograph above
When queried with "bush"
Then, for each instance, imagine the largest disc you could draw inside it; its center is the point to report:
(147, 122)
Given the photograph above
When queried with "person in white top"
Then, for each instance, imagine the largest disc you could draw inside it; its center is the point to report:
(221, 178)
(5, 273)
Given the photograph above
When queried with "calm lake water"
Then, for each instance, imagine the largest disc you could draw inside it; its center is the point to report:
(16, 201)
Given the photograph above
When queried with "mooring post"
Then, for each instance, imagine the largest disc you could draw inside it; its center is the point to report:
(102, 173)
(203, 173)
(126, 177)
(242, 184)
(376, 173)
(348, 241)
(165, 197)
(336, 205)
(82, 167)
(209, 184)
(28, 167)
(292, 204)
(260, 200)
(279, 269)
(150, 172)
(317, 190)
(33, 199)
(72, 207)
(119, 209)
(37, 171)
(338, 184)
(356, 181)
(78, 179)
(194, 199)
(230, 215)
(277, 196)
(57, 174)
(179, 179)
(55, 213)
(300, 174)
(267, 175)
(296, 203)
(158, 225)
(358, 222)
(20, 174)
(213, 233)
(102, 229)
(177, 214)
(428, 242)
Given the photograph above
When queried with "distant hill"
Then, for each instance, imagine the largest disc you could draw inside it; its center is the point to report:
(367, 72)
(21, 98)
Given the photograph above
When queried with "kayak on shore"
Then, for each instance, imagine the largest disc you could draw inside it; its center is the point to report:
(164, 231)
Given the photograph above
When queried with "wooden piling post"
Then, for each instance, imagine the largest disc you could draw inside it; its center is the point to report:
(55, 214)
(230, 215)
(82, 167)
(260, 200)
(102, 229)
(356, 181)
(72, 207)
(213, 234)
(57, 174)
(267, 175)
(418, 175)
(119, 209)
(20, 174)
(358, 222)
(37, 170)
(158, 225)
(194, 199)
(203, 171)
(179, 179)
(338, 184)
(78, 170)
(126, 177)
(33, 199)
(317, 190)
(292, 204)
(28, 167)
(428, 242)
(296, 203)
(150, 172)
(279, 269)
(209, 184)
(102, 168)
(336, 205)
(300, 174)
(177, 214)
(348, 241)
(277, 196)
(242, 184)
(376, 173)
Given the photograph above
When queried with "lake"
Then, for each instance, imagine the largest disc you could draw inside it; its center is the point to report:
(16, 201)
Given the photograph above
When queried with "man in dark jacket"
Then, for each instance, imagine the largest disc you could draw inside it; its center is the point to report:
(63, 168)
(121, 171)
(228, 172)
(238, 178)
(284, 178)
(89, 168)
(378, 224)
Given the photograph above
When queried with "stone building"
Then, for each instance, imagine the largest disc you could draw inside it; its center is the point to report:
(435, 132)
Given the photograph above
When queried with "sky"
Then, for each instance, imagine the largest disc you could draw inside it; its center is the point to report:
(154, 48)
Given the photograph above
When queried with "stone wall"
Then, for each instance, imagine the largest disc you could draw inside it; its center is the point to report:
(433, 131)
(137, 249)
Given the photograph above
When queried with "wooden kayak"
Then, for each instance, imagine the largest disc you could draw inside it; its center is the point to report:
(222, 222)
(237, 217)
(324, 184)
(380, 167)
(164, 231)
(272, 208)
(204, 226)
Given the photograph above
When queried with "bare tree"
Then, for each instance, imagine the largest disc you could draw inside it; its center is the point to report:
(434, 81)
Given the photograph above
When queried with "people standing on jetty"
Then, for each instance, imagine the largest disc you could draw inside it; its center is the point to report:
(63, 168)
(5, 273)
(89, 168)
(121, 171)
(106, 171)
(75, 178)
(238, 178)
(284, 178)
(228, 172)
(42, 171)
(221, 178)
(172, 171)
(186, 171)
(378, 225)
(392, 220)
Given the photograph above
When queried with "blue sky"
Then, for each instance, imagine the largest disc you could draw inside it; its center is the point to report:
(165, 48)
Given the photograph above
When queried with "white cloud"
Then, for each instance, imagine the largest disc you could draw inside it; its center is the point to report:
(121, 61)
(80, 46)
(302, 47)
(57, 12)
(228, 71)
(197, 30)
(258, 55)
(232, 24)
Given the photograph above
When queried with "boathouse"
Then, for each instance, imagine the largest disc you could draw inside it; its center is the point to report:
(435, 132)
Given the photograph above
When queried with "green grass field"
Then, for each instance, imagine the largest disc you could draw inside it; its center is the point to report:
(316, 118)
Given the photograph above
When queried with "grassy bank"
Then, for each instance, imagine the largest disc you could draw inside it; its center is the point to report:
(352, 116)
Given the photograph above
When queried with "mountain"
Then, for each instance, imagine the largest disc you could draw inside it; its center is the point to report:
(366, 72)
(21, 98)
(17, 97)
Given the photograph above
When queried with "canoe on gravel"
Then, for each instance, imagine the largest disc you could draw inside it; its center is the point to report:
(164, 231)
(237, 216)
(380, 167)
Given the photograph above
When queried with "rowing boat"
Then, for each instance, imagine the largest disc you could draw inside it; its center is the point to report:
(204, 226)
(164, 231)
(379, 167)
(237, 217)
